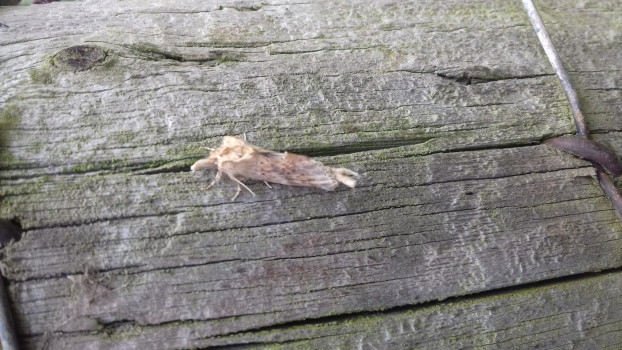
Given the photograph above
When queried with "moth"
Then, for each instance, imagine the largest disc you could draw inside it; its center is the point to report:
(239, 160)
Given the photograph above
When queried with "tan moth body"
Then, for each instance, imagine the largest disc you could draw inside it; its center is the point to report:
(240, 160)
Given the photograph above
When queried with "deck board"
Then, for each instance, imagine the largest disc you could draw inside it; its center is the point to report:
(464, 229)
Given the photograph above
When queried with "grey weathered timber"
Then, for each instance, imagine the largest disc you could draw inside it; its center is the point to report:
(440, 106)
(553, 316)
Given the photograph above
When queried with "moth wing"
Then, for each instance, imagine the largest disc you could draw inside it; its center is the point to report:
(308, 172)
(283, 168)
(345, 176)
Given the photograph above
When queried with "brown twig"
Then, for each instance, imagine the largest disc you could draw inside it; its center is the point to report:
(595, 152)
(610, 189)
(573, 99)
(558, 66)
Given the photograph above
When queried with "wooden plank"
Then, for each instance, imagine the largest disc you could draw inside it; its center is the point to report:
(294, 83)
(438, 105)
(480, 224)
(584, 314)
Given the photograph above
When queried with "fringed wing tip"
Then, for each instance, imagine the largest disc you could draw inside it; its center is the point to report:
(345, 176)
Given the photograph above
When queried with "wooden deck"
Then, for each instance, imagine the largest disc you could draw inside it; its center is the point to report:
(464, 231)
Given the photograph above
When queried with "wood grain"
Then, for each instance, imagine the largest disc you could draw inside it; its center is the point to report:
(439, 106)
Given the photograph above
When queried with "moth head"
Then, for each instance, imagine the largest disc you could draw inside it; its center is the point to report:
(204, 164)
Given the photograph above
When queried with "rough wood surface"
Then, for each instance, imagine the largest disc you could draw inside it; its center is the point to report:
(554, 316)
(439, 106)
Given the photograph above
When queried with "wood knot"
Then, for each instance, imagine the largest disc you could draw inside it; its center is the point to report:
(10, 230)
(79, 58)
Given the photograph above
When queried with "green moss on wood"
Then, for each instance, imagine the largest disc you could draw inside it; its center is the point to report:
(188, 150)
(10, 116)
(110, 62)
(96, 166)
(40, 75)
(123, 136)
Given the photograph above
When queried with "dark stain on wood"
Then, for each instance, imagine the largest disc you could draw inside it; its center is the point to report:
(79, 58)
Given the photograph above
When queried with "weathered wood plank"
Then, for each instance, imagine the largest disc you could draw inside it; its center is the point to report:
(285, 75)
(565, 315)
(583, 314)
(453, 220)
(437, 105)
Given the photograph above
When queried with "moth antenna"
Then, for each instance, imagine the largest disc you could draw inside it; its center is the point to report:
(245, 137)
(267, 184)
(237, 193)
(207, 148)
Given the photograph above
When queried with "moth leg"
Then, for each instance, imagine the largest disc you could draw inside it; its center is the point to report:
(267, 184)
(216, 179)
(237, 193)
(240, 183)
(208, 148)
